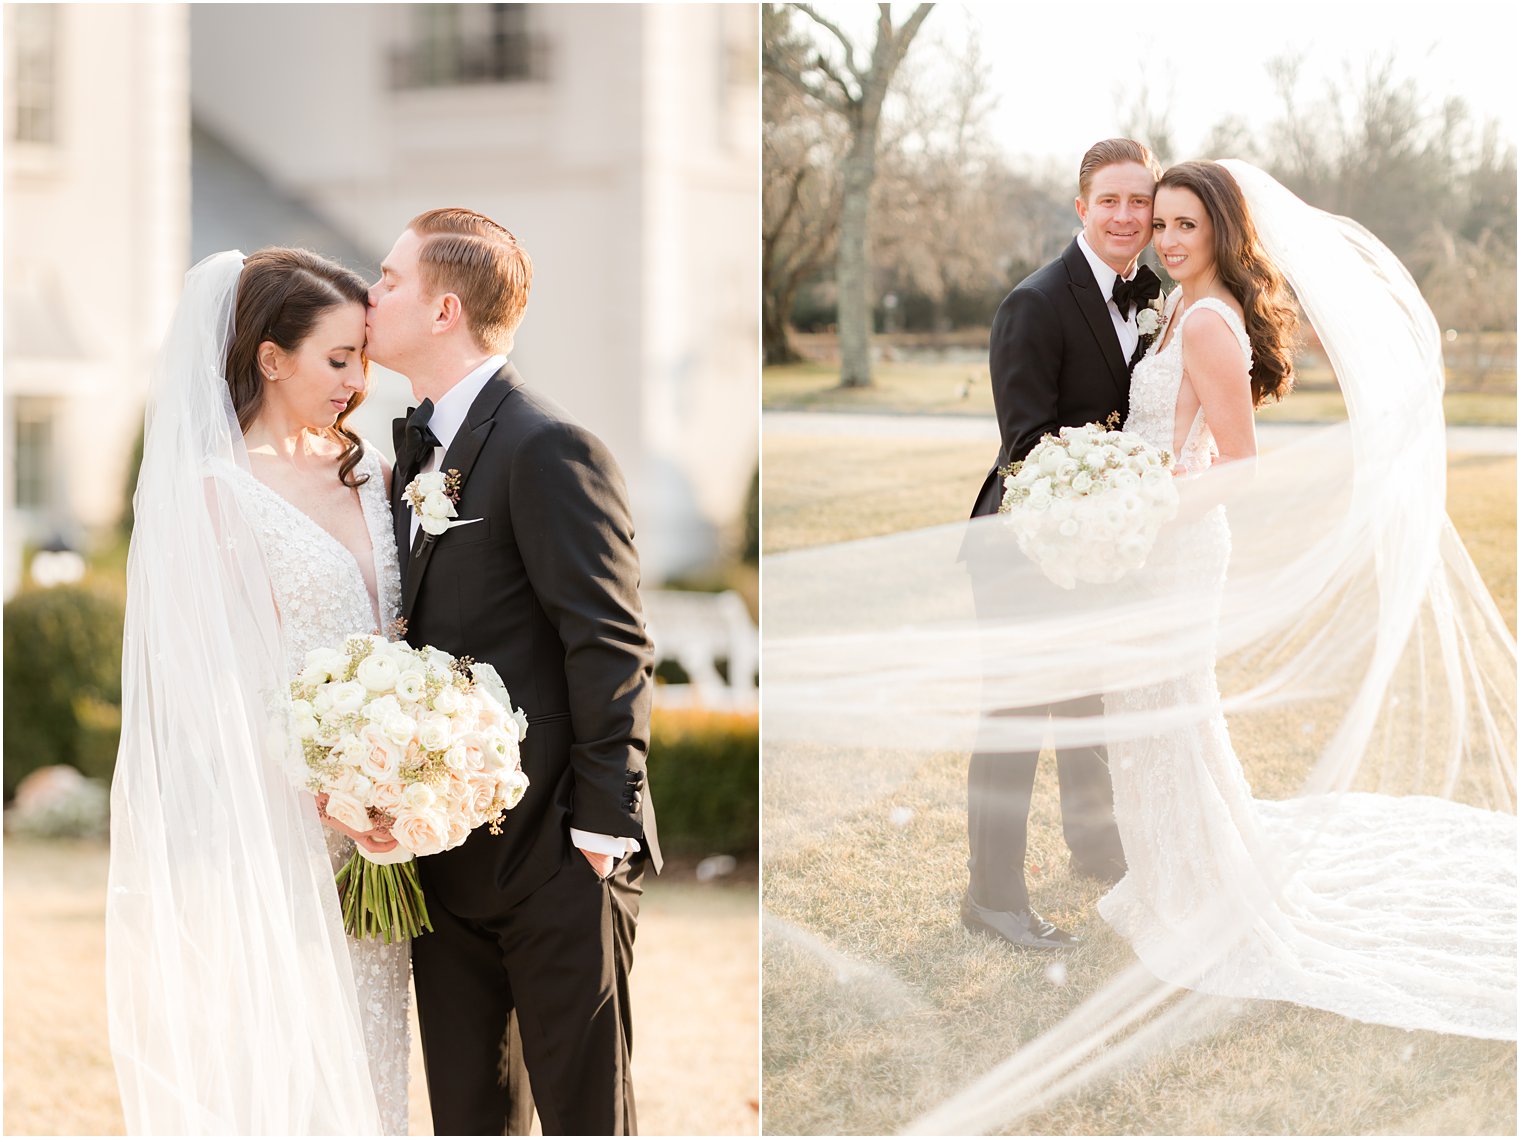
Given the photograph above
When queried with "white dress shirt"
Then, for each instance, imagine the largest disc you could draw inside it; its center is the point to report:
(1128, 330)
(449, 414)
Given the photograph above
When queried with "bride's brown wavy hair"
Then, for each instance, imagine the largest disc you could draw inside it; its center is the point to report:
(282, 293)
(1271, 318)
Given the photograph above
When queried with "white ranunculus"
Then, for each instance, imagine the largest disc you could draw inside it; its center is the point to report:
(322, 702)
(430, 483)
(1147, 320)
(438, 505)
(1082, 482)
(1051, 459)
(346, 809)
(410, 685)
(510, 786)
(1039, 500)
(306, 726)
(378, 672)
(1124, 479)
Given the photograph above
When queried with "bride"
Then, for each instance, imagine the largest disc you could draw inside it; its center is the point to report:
(263, 530)
(1355, 903)
(1310, 624)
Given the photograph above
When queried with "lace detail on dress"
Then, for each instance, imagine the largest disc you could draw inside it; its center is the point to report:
(1385, 909)
(322, 598)
(1157, 380)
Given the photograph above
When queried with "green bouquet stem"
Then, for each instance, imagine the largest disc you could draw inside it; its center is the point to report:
(382, 902)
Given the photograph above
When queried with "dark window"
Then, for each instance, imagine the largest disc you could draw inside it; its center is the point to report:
(455, 45)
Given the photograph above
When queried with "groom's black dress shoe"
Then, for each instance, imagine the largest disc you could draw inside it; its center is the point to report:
(1108, 870)
(1021, 927)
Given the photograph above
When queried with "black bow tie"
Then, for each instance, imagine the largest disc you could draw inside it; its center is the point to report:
(1128, 295)
(418, 440)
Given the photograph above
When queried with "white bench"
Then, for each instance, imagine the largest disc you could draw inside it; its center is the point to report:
(696, 631)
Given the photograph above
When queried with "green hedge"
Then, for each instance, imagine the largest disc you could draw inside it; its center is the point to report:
(705, 771)
(62, 679)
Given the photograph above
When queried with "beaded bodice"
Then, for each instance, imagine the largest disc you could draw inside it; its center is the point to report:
(1157, 380)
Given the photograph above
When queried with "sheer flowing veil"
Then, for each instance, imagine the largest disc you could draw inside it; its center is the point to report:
(232, 1005)
(1357, 649)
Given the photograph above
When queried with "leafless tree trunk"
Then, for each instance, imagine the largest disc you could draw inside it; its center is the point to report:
(855, 92)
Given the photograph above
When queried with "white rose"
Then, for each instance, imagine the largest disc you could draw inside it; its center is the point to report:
(378, 672)
(306, 726)
(1069, 528)
(433, 733)
(418, 797)
(422, 832)
(1039, 500)
(457, 758)
(399, 727)
(346, 809)
(322, 702)
(1147, 321)
(1124, 479)
(410, 685)
(1082, 482)
(348, 697)
(1051, 460)
(380, 758)
(1078, 447)
(449, 701)
(356, 785)
(329, 663)
(386, 797)
(379, 708)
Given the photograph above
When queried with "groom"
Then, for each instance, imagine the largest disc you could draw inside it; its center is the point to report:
(1063, 344)
(533, 928)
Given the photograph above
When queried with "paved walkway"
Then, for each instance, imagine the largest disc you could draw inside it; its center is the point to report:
(1459, 440)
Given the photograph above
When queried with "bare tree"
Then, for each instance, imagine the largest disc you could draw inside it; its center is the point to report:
(802, 147)
(855, 91)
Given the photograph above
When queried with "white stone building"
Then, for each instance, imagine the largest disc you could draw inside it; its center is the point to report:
(620, 143)
(97, 239)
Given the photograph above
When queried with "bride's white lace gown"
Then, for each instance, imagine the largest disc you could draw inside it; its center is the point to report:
(322, 598)
(1394, 910)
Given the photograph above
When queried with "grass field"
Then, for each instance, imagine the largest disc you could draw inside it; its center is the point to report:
(695, 999)
(964, 389)
(864, 1048)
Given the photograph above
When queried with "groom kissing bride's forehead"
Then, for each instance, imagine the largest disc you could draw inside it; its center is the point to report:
(528, 566)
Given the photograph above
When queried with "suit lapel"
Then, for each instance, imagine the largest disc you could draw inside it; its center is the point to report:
(1094, 309)
(461, 456)
(401, 516)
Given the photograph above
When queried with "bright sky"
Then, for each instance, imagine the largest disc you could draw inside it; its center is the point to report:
(1056, 65)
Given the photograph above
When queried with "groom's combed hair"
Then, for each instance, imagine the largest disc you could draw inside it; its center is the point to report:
(480, 262)
(1112, 152)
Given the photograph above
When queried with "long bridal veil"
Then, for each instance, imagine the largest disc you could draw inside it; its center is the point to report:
(1357, 650)
(232, 1006)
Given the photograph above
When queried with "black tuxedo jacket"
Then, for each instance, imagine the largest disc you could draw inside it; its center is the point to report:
(1055, 361)
(545, 588)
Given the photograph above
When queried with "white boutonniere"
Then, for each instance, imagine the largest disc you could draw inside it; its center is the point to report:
(433, 497)
(1148, 320)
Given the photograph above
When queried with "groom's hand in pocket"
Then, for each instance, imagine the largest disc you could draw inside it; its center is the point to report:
(601, 863)
(376, 841)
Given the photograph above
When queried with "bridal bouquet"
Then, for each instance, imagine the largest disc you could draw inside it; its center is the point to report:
(1087, 504)
(411, 740)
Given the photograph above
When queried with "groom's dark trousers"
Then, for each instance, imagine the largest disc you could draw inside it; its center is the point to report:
(543, 586)
(1055, 361)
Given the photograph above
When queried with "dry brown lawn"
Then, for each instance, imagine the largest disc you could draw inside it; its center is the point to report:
(696, 1002)
(964, 389)
(883, 1007)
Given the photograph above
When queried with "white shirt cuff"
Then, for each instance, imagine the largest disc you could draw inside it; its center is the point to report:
(604, 843)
